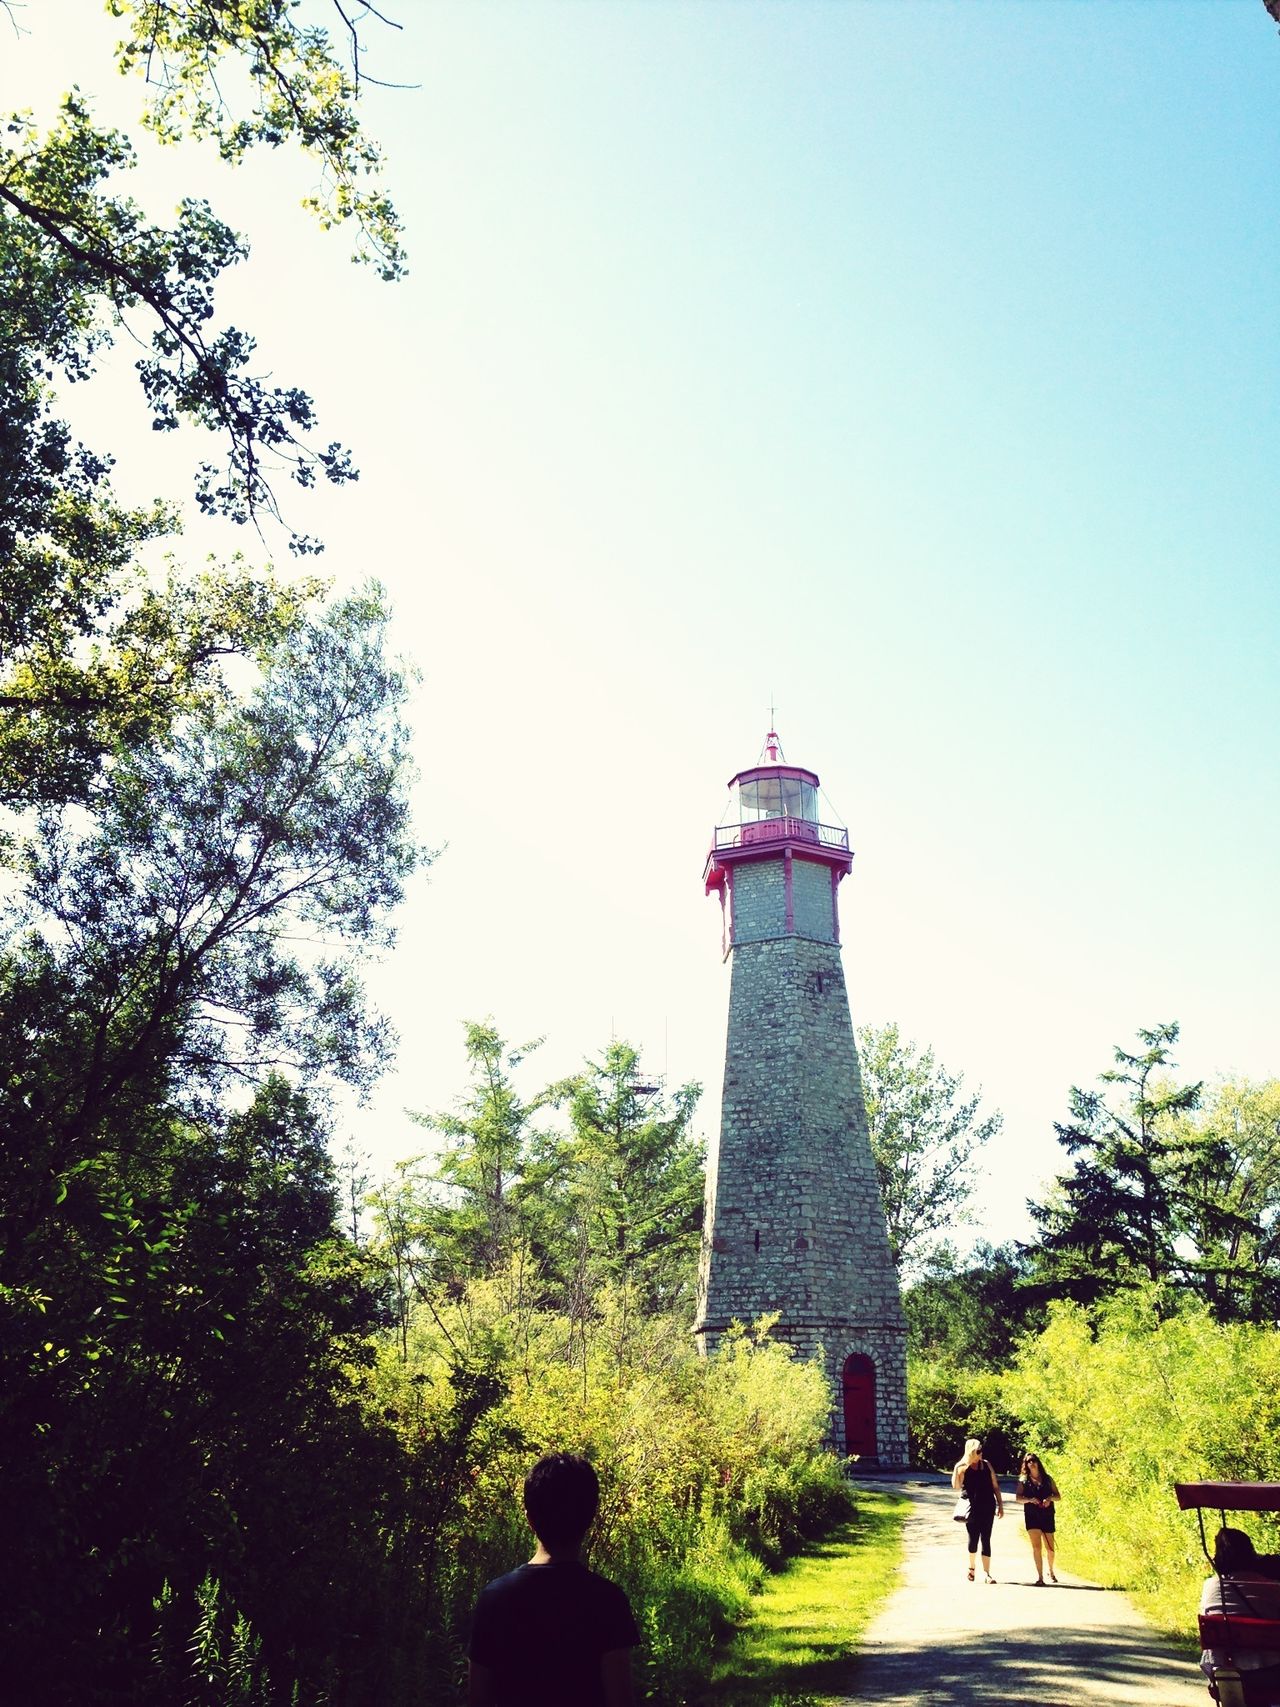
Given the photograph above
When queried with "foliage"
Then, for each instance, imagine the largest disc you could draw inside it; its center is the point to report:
(99, 657)
(635, 1185)
(970, 1311)
(615, 1201)
(176, 1403)
(216, 1663)
(923, 1139)
(708, 1467)
(205, 777)
(490, 1201)
(1126, 1400)
(301, 91)
(83, 687)
(165, 925)
(1139, 1207)
(948, 1403)
(1231, 1214)
(177, 1306)
(80, 263)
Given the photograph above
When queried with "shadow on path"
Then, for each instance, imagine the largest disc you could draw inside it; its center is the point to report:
(1060, 1664)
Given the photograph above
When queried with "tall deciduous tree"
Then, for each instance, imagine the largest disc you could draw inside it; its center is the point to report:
(924, 1135)
(192, 942)
(95, 655)
(1231, 1204)
(205, 778)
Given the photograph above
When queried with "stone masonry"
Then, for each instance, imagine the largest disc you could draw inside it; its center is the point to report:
(794, 1221)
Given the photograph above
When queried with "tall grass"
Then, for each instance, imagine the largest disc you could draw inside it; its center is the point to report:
(712, 1470)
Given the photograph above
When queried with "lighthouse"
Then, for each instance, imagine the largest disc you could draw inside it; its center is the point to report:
(794, 1222)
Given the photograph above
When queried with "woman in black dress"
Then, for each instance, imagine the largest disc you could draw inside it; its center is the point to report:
(976, 1480)
(1037, 1495)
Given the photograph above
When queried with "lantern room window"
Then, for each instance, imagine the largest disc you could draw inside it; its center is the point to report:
(776, 797)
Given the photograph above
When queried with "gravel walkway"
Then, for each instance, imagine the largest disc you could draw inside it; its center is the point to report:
(941, 1641)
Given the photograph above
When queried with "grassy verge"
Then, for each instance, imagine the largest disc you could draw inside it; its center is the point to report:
(807, 1619)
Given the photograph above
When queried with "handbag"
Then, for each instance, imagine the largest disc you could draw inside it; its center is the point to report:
(961, 1513)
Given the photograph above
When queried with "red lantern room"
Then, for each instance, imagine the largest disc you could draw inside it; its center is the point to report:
(771, 826)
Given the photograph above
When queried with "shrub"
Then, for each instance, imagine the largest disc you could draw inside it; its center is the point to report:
(710, 1469)
(946, 1405)
(1126, 1401)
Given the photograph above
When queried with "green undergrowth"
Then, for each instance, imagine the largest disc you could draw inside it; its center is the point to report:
(807, 1620)
(1130, 1399)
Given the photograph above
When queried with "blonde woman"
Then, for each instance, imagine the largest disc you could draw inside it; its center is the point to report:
(976, 1480)
(1037, 1495)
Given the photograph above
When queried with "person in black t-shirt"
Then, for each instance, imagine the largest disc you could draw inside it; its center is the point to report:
(553, 1633)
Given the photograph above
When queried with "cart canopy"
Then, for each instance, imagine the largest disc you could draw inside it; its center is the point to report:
(1228, 1496)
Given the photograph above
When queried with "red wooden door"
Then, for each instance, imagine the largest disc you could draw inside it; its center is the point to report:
(858, 1383)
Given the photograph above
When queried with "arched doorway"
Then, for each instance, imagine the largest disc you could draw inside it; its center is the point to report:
(858, 1388)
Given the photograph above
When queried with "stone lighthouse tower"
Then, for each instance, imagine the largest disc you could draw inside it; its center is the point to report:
(794, 1222)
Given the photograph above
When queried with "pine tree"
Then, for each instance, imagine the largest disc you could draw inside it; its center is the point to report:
(1120, 1216)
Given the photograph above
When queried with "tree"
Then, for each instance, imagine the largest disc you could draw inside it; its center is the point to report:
(491, 1189)
(636, 1184)
(96, 654)
(1118, 1217)
(1231, 1207)
(205, 780)
(923, 1138)
(151, 951)
(615, 1201)
(95, 250)
(185, 1409)
(150, 978)
(970, 1310)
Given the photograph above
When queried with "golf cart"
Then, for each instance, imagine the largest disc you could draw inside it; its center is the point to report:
(1231, 1634)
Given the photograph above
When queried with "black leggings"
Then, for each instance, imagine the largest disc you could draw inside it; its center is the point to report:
(978, 1528)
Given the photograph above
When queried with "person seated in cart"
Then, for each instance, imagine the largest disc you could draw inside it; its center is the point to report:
(1244, 1585)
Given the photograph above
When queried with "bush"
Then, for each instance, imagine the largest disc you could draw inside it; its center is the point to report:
(711, 1469)
(947, 1405)
(1129, 1399)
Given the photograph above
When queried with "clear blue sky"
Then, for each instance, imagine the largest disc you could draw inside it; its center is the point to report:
(914, 364)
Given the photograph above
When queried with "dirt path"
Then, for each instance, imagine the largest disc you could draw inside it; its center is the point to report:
(943, 1642)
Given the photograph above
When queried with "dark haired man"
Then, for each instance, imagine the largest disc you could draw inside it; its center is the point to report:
(553, 1633)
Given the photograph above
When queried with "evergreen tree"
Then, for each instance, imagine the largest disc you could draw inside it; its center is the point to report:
(635, 1184)
(614, 1201)
(487, 1198)
(1122, 1213)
